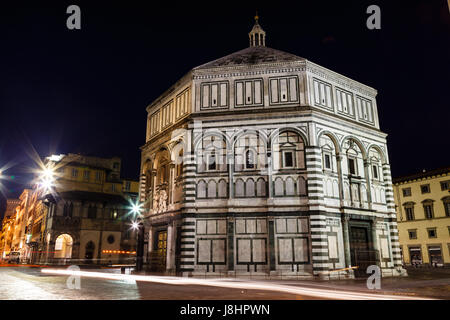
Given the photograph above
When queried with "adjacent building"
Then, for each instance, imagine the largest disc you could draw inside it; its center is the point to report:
(88, 217)
(6, 234)
(264, 163)
(78, 211)
(423, 217)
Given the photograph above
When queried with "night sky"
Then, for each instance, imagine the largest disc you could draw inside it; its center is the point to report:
(85, 91)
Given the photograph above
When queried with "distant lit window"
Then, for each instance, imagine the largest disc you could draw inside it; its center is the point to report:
(432, 233)
(428, 210)
(446, 202)
(412, 234)
(114, 214)
(425, 188)
(409, 213)
(406, 192)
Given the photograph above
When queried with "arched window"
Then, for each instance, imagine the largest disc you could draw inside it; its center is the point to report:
(250, 188)
(211, 161)
(212, 186)
(223, 189)
(250, 159)
(201, 189)
(288, 151)
(261, 187)
(239, 188)
(63, 247)
(249, 152)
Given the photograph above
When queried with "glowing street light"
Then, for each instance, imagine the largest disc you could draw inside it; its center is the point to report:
(136, 209)
(135, 225)
(47, 178)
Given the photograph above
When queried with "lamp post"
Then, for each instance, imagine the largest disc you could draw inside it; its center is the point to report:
(138, 225)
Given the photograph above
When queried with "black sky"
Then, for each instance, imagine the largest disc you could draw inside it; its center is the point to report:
(86, 91)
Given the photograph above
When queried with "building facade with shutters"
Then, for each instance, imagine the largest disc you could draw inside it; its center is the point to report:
(263, 163)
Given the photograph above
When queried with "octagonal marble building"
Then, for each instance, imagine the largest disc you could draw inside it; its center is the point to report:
(262, 163)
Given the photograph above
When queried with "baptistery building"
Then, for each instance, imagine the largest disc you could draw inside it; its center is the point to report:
(262, 163)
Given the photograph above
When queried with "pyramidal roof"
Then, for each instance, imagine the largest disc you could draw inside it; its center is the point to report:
(257, 53)
(251, 56)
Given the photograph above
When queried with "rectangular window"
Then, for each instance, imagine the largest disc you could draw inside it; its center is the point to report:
(364, 109)
(214, 95)
(249, 92)
(428, 211)
(288, 159)
(249, 159)
(445, 185)
(345, 102)
(447, 208)
(412, 234)
(351, 166)
(283, 90)
(322, 94)
(98, 176)
(432, 233)
(87, 175)
(327, 160)
(406, 192)
(375, 171)
(409, 213)
(127, 185)
(205, 92)
(425, 188)
(212, 161)
(74, 173)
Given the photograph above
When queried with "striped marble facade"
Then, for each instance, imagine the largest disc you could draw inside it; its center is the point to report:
(267, 165)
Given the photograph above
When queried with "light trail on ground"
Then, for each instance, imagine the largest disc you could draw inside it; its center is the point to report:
(237, 284)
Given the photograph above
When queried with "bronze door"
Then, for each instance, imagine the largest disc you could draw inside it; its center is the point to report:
(161, 250)
(359, 250)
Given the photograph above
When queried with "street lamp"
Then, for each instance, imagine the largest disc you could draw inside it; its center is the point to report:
(136, 209)
(46, 179)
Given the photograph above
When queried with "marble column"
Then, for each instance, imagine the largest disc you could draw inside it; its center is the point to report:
(346, 236)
